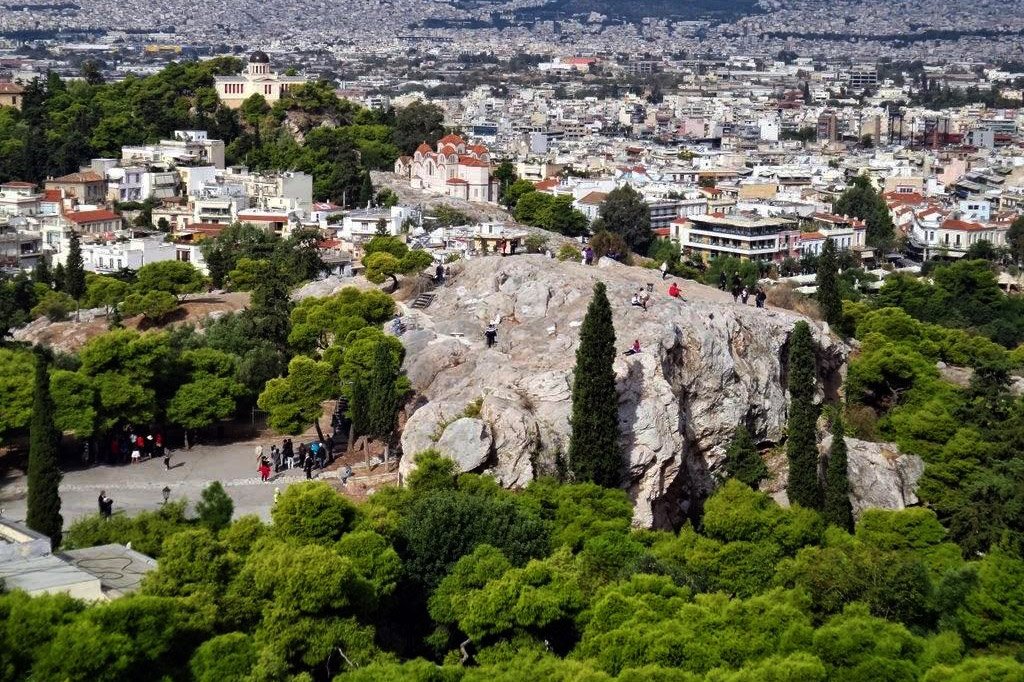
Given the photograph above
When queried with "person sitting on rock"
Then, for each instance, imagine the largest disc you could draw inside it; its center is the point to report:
(636, 299)
(634, 349)
(673, 290)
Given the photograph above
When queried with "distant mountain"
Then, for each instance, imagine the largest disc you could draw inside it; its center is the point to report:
(635, 10)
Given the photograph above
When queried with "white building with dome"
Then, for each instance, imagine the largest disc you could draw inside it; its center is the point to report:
(257, 79)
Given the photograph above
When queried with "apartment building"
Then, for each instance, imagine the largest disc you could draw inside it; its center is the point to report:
(740, 235)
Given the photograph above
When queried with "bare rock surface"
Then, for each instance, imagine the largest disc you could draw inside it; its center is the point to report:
(707, 365)
(881, 477)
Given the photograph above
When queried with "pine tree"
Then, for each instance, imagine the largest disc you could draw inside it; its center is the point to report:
(74, 270)
(215, 507)
(837, 482)
(594, 444)
(742, 460)
(44, 445)
(383, 399)
(801, 441)
(829, 300)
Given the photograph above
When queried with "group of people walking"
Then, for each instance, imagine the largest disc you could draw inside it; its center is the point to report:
(316, 455)
(740, 292)
(133, 445)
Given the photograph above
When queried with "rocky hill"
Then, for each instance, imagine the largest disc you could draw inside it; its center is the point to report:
(707, 365)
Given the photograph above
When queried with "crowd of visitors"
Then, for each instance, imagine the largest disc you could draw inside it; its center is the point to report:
(316, 455)
(131, 445)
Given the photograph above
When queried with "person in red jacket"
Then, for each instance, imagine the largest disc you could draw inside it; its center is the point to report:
(673, 290)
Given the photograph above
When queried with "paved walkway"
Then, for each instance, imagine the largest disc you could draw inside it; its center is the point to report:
(137, 487)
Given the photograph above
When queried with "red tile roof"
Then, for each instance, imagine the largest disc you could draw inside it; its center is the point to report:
(423, 148)
(962, 225)
(898, 198)
(811, 236)
(594, 198)
(550, 183)
(457, 181)
(52, 195)
(98, 216)
(18, 184)
(87, 176)
(473, 162)
(451, 139)
(11, 89)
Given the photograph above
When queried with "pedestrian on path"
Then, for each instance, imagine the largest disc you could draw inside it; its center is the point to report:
(259, 453)
(167, 460)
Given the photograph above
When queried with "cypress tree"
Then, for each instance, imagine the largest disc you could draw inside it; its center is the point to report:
(383, 399)
(594, 444)
(829, 300)
(44, 445)
(366, 190)
(801, 441)
(742, 460)
(74, 270)
(41, 273)
(270, 307)
(837, 482)
(359, 408)
(58, 277)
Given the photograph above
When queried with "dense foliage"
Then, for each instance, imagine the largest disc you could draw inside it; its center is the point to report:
(452, 578)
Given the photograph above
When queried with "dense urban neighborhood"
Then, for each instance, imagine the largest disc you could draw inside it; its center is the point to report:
(512, 340)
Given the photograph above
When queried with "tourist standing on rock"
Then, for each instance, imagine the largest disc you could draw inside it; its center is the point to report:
(721, 280)
(759, 297)
(737, 281)
(329, 444)
(736, 293)
(491, 334)
(308, 466)
(664, 270)
(744, 295)
(588, 256)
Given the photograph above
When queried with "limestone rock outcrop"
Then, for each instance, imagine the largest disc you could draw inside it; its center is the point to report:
(707, 364)
(880, 475)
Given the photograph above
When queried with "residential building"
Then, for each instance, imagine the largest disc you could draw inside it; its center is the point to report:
(828, 127)
(19, 198)
(98, 221)
(363, 224)
(740, 235)
(11, 95)
(88, 187)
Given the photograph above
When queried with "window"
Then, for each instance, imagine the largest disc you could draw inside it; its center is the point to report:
(267, 88)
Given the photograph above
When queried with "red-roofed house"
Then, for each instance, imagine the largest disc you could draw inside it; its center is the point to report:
(88, 187)
(10, 95)
(455, 169)
(94, 222)
(589, 204)
(935, 233)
